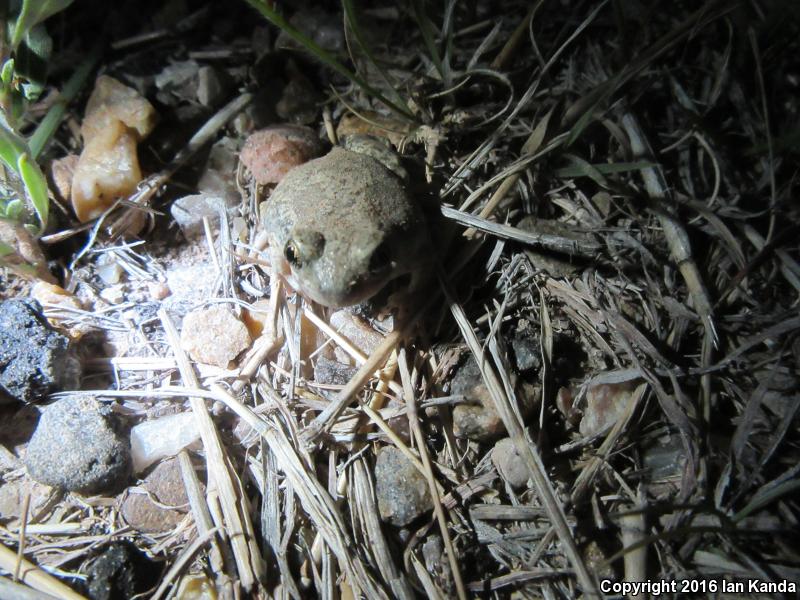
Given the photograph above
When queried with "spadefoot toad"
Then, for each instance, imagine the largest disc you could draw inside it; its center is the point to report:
(342, 226)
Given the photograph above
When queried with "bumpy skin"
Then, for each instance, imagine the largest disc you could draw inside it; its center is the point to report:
(342, 226)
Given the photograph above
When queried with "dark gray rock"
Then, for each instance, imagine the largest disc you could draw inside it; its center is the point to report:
(121, 571)
(35, 359)
(77, 446)
(402, 491)
(527, 354)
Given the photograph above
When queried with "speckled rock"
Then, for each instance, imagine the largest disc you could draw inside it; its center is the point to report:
(77, 446)
(475, 422)
(35, 359)
(214, 335)
(509, 463)
(402, 491)
(332, 372)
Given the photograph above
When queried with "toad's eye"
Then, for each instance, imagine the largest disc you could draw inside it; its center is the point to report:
(292, 254)
(304, 247)
(381, 259)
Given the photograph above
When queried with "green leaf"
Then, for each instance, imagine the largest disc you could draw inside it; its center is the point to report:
(48, 125)
(32, 13)
(31, 61)
(7, 73)
(13, 209)
(35, 186)
(12, 147)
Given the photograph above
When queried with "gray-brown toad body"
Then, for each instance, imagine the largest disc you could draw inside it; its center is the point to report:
(342, 226)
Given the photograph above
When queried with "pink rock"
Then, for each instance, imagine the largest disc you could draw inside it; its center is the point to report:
(272, 152)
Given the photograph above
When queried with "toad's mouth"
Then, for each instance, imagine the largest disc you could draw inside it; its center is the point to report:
(349, 294)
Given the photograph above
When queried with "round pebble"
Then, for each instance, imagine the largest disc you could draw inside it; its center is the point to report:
(77, 447)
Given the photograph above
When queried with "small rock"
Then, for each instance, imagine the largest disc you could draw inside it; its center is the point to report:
(116, 119)
(527, 354)
(114, 294)
(35, 359)
(357, 331)
(332, 372)
(196, 587)
(664, 462)
(109, 270)
(219, 175)
(178, 78)
(605, 404)
(597, 562)
(509, 463)
(158, 290)
(77, 446)
(154, 440)
(402, 491)
(270, 153)
(258, 318)
(189, 212)
(163, 506)
(211, 88)
(437, 564)
(214, 336)
(477, 420)
(50, 293)
(476, 423)
(323, 27)
(299, 101)
(121, 571)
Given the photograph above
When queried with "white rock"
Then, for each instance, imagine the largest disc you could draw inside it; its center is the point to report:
(154, 440)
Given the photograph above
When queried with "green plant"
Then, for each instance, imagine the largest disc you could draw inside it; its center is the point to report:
(24, 51)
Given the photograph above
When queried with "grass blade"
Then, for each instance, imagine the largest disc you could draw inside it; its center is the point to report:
(326, 57)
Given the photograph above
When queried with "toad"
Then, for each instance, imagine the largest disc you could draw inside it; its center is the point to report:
(343, 226)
